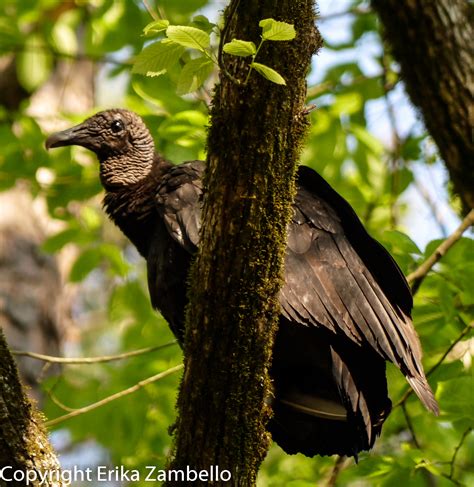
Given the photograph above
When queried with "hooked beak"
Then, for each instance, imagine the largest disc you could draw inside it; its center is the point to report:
(77, 135)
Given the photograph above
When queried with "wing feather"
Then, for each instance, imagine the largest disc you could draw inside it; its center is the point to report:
(328, 284)
(336, 276)
(178, 200)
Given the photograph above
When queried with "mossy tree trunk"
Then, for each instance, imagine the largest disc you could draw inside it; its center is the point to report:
(432, 41)
(254, 142)
(24, 444)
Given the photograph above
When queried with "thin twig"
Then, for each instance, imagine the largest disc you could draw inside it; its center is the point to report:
(427, 474)
(115, 396)
(338, 467)
(220, 57)
(410, 426)
(396, 159)
(351, 11)
(454, 481)
(416, 278)
(59, 403)
(308, 109)
(150, 10)
(19, 49)
(456, 451)
(467, 328)
(408, 392)
(92, 360)
(319, 89)
(432, 205)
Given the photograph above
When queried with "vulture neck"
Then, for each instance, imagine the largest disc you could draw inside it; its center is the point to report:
(132, 206)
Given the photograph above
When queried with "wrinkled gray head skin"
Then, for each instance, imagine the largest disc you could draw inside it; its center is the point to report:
(120, 139)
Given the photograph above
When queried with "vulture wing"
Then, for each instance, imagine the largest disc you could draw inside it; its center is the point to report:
(179, 203)
(175, 239)
(339, 278)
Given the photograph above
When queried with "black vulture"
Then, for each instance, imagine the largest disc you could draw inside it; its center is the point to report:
(345, 305)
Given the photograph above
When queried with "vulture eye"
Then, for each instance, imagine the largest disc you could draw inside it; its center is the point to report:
(116, 126)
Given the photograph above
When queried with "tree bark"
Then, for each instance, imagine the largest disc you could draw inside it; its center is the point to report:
(253, 147)
(24, 444)
(432, 41)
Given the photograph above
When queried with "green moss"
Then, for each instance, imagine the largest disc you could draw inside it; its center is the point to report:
(24, 442)
(234, 283)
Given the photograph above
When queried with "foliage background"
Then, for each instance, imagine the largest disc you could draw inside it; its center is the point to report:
(365, 140)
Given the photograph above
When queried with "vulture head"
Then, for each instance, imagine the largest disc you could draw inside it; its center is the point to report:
(121, 140)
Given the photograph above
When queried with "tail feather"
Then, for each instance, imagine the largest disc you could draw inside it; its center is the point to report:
(423, 390)
(330, 397)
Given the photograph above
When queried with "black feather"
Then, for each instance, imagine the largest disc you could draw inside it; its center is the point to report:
(345, 305)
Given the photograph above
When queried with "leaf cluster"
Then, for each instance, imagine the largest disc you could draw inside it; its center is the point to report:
(164, 55)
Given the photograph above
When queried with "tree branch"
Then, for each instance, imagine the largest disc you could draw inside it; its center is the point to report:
(20, 48)
(396, 150)
(454, 481)
(92, 360)
(432, 205)
(254, 143)
(410, 426)
(351, 11)
(59, 403)
(113, 397)
(416, 278)
(339, 465)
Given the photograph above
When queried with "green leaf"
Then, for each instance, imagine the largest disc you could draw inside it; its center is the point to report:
(411, 148)
(85, 263)
(70, 235)
(156, 27)
(129, 299)
(369, 88)
(157, 58)
(64, 38)
(189, 37)
(269, 73)
(34, 63)
(399, 181)
(401, 242)
(10, 35)
(402, 248)
(367, 139)
(115, 258)
(448, 371)
(194, 74)
(363, 24)
(203, 23)
(240, 48)
(273, 30)
(349, 71)
(458, 254)
(185, 129)
(455, 397)
(194, 118)
(347, 104)
(93, 257)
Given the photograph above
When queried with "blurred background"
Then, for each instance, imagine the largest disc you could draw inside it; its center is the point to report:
(72, 285)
